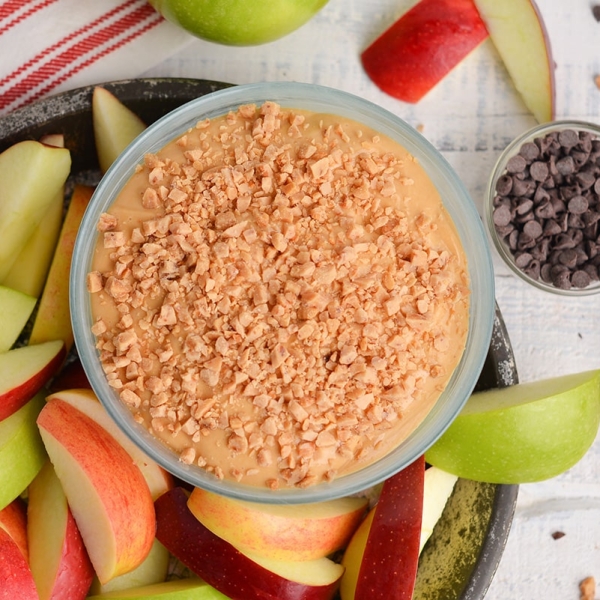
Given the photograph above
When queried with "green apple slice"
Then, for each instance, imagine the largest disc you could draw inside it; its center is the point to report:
(524, 433)
(182, 589)
(16, 310)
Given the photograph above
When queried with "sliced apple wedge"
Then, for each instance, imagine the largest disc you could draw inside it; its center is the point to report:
(13, 519)
(16, 580)
(31, 174)
(519, 33)
(232, 572)
(438, 487)
(522, 433)
(53, 319)
(105, 490)
(26, 370)
(115, 126)
(22, 453)
(16, 310)
(407, 60)
(84, 400)
(30, 269)
(283, 532)
(57, 556)
(181, 589)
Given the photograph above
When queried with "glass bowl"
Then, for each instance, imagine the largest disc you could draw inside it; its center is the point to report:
(542, 207)
(456, 200)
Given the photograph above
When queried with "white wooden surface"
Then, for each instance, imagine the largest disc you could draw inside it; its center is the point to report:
(470, 117)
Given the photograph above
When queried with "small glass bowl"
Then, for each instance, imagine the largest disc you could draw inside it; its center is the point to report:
(556, 242)
(456, 200)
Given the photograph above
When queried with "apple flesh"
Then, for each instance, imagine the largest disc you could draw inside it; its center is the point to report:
(523, 433)
(381, 559)
(105, 490)
(16, 310)
(519, 34)
(238, 22)
(22, 453)
(31, 174)
(232, 572)
(283, 532)
(115, 126)
(53, 319)
(182, 589)
(437, 488)
(84, 400)
(57, 556)
(24, 371)
(407, 60)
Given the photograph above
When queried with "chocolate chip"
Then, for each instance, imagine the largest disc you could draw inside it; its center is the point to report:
(568, 138)
(538, 170)
(529, 151)
(580, 279)
(577, 205)
(504, 185)
(523, 259)
(516, 164)
(502, 216)
(533, 229)
(566, 165)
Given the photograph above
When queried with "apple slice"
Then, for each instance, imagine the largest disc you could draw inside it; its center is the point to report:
(16, 310)
(57, 557)
(13, 519)
(381, 559)
(30, 269)
(22, 453)
(16, 580)
(84, 400)
(182, 589)
(279, 531)
(105, 490)
(522, 433)
(26, 370)
(53, 319)
(438, 487)
(407, 60)
(115, 126)
(153, 570)
(519, 33)
(232, 572)
(31, 174)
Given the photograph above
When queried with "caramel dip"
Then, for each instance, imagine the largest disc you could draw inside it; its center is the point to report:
(279, 296)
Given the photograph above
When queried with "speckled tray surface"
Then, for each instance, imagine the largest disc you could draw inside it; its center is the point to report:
(461, 557)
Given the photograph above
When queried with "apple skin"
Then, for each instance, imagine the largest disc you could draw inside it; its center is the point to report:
(106, 491)
(519, 34)
(382, 558)
(238, 22)
(220, 564)
(282, 532)
(22, 452)
(16, 310)
(16, 580)
(180, 589)
(408, 59)
(158, 479)
(25, 371)
(13, 519)
(58, 559)
(53, 318)
(523, 433)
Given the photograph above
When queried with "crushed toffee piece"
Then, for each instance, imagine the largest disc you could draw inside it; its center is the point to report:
(279, 296)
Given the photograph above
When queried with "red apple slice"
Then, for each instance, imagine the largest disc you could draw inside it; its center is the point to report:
(13, 519)
(53, 319)
(423, 46)
(26, 370)
(106, 491)
(57, 556)
(16, 580)
(283, 532)
(381, 559)
(84, 400)
(22, 453)
(230, 571)
(16, 310)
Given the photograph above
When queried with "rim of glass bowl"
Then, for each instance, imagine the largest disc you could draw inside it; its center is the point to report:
(502, 247)
(456, 200)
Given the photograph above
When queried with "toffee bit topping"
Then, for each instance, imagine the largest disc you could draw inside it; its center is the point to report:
(275, 297)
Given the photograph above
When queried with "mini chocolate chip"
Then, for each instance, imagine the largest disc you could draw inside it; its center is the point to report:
(577, 205)
(516, 164)
(563, 242)
(504, 185)
(580, 279)
(545, 272)
(541, 194)
(592, 272)
(568, 138)
(524, 206)
(513, 239)
(521, 187)
(544, 210)
(533, 229)
(569, 191)
(525, 241)
(565, 165)
(597, 186)
(574, 221)
(576, 236)
(538, 170)
(529, 151)
(590, 217)
(585, 179)
(551, 228)
(540, 251)
(505, 230)
(568, 258)
(502, 216)
(580, 157)
(562, 280)
(523, 259)
(533, 269)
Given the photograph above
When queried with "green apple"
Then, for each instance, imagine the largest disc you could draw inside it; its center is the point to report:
(238, 22)
(522, 433)
(22, 453)
(115, 126)
(182, 589)
(16, 310)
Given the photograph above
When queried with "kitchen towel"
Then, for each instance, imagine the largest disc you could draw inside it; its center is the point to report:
(48, 46)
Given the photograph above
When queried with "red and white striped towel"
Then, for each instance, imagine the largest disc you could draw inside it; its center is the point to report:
(48, 46)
